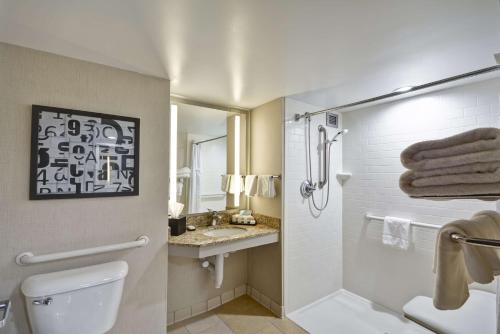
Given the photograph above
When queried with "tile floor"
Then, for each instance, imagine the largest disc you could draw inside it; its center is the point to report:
(240, 316)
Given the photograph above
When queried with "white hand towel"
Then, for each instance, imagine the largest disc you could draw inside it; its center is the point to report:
(251, 185)
(396, 232)
(224, 184)
(236, 184)
(265, 186)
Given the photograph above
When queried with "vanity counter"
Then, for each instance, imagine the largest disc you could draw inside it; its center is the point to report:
(199, 239)
(197, 244)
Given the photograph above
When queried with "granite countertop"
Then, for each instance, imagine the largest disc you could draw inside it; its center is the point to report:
(198, 239)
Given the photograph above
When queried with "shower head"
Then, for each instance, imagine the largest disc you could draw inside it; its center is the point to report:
(341, 132)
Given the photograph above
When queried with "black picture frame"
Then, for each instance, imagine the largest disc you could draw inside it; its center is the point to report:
(37, 112)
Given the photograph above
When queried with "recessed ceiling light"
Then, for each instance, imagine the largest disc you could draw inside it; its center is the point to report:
(403, 89)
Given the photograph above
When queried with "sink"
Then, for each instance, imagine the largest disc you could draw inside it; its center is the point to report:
(224, 232)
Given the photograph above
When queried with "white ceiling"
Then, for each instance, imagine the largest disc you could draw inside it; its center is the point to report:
(247, 52)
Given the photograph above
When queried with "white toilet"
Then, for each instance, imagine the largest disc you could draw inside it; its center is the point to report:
(78, 301)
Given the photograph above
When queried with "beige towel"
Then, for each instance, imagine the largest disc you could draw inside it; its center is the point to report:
(251, 185)
(456, 265)
(482, 167)
(455, 185)
(478, 145)
(225, 183)
(265, 186)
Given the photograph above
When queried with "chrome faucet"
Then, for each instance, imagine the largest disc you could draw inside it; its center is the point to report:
(216, 217)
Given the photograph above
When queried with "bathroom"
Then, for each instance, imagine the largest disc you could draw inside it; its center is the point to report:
(273, 140)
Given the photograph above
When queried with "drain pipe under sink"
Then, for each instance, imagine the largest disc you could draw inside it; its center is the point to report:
(216, 268)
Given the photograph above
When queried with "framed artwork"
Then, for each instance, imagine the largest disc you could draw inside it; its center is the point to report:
(77, 154)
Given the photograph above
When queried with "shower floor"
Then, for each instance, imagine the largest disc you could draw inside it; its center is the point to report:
(345, 312)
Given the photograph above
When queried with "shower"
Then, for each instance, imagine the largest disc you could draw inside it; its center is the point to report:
(308, 187)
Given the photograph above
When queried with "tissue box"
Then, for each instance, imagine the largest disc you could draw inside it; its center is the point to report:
(177, 225)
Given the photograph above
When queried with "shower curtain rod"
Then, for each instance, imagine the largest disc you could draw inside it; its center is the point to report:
(396, 93)
(204, 141)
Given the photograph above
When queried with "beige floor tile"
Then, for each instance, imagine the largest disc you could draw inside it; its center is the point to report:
(218, 328)
(175, 329)
(287, 326)
(270, 330)
(202, 323)
(245, 316)
(242, 315)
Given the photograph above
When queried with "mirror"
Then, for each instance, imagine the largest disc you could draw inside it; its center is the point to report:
(206, 145)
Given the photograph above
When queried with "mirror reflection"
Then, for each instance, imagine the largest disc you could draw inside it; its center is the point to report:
(207, 142)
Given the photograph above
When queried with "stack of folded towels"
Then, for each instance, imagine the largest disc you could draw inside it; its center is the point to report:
(464, 165)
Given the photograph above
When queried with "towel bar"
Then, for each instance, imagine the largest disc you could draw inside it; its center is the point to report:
(273, 176)
(492, 243)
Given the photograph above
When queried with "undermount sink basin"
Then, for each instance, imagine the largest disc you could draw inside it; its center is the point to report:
(224, 232)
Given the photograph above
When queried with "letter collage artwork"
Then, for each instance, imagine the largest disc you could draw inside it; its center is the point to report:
(79, 154)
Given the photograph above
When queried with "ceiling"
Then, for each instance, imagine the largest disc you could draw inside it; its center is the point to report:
(247, 52)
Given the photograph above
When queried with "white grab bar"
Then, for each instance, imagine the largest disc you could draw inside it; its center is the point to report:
(437, 227)
(29, 258)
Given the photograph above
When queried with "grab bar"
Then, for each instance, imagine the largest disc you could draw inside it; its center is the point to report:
(492, 243)
(437, 227)
(29, 258)
(4, 312)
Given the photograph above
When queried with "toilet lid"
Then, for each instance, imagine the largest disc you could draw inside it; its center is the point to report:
(477, 315)
(73, 279)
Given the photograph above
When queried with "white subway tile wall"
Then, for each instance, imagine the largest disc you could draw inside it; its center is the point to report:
(371, 150)
(313, 243)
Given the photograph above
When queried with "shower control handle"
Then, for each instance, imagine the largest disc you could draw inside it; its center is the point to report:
(307, 188)
(44, 301)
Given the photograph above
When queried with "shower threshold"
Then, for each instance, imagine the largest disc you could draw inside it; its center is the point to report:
(344, 312)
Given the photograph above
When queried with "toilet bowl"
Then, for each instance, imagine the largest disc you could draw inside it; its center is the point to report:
(77, 301)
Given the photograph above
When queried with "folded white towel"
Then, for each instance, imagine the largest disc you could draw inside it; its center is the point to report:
(184, 172)
(265, 186)
(396, 232)
(224, 184)
(251, 185)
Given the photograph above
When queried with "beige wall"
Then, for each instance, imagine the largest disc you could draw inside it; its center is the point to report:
(266, 151)
(264, 263)
(30, 77)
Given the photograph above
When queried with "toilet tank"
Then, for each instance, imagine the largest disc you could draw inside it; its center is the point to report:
(77, 301)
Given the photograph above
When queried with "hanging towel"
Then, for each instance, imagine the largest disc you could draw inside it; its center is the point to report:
(456, 265)
(195, 185)
(224, 184)
(265, 186)
(236, 184)
(251, 185)
(397, 232)
(478, 145)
